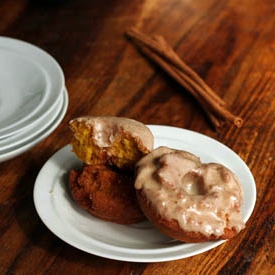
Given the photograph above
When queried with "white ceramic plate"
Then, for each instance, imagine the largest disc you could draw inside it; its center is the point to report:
(139, 242)
(35, 128)
(30, 83)
(28, 143)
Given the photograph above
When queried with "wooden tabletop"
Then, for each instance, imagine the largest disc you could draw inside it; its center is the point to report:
(229, 43)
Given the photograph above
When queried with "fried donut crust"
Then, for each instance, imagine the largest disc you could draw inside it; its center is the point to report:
(106, 193)
(172, 229)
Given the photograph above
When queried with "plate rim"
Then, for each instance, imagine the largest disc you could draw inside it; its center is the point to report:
(32, 131)
(129, 254)
(40, 136)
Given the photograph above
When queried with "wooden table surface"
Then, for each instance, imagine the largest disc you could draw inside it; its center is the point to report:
(230, 44)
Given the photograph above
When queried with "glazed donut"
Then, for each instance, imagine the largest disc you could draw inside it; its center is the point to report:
(188, 200)
(109, 140)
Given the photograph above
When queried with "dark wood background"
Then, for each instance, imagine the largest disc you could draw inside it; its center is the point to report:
(229, 43)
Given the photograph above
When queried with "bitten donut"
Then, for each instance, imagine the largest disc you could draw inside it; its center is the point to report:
(115, 141)
(188, 200)
(109, 148)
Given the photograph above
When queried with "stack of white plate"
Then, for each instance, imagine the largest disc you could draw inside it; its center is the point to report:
(33, 96)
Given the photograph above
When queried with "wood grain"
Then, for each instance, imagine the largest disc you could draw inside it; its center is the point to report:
(229, 43)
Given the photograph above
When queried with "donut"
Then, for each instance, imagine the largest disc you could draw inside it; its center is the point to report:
(110, 140)
(186, 199)
(109, 148)
(106, 193)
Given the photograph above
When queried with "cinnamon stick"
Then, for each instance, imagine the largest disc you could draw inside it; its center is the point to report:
(159, 45)
(159, 51)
